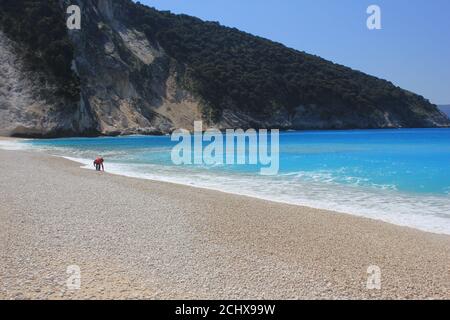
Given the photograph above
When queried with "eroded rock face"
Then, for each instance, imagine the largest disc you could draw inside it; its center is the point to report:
(28, 106)
(129, 83)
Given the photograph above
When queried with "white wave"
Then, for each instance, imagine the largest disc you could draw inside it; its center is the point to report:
(423, 212)
(85, 162)
(331, 177)
(13, 145)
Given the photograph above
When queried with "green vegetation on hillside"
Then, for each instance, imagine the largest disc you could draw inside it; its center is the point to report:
(226, 68)
(233, 69)
(39, 25)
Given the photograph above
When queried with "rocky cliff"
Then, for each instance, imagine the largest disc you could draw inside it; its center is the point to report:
(135, 70)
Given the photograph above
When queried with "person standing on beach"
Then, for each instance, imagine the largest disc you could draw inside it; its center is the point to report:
(98, 163)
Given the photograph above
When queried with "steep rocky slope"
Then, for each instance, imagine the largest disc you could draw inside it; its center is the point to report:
(29, 105)
(138, 70)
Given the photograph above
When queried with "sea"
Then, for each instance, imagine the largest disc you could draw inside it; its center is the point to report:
(397, 176)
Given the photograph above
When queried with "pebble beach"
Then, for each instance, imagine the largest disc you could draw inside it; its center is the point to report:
(142, 239)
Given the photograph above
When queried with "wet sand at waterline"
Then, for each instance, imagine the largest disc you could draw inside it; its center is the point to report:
(141, 239)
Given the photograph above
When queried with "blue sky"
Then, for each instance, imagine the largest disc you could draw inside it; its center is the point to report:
(412, 50)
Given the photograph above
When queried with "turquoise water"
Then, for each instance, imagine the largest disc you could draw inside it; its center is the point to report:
(399, 176)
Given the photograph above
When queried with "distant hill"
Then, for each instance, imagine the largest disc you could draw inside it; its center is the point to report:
(133, 69)
(445, 109)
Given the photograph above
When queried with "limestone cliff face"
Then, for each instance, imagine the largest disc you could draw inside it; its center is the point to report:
(28, 106)
(129, 84)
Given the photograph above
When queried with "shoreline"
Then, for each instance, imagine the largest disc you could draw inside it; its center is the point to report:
(154, 243)
(84, 166)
